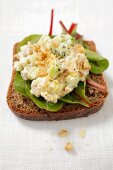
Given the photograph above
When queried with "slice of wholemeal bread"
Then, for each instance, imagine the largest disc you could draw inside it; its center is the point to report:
(25, 108)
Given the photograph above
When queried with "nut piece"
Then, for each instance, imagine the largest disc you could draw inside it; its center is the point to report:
(63, 133)
(79, 48)
(69, 146)
(82, 133)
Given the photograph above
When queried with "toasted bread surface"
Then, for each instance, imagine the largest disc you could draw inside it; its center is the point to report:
(25, 108)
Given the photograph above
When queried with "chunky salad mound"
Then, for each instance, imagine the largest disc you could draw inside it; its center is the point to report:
(55, 66)
(53, 70)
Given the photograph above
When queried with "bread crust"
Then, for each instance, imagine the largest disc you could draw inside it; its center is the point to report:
(25, 108)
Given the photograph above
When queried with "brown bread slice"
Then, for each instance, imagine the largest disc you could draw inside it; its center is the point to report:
(25, 108)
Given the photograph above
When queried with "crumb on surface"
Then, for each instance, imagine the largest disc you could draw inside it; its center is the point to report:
(82, 133)
(69, 146)
(63, 133)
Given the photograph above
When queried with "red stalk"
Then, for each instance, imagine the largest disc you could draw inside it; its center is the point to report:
(51, 23)
(89, 104)
(85, 101)
(96, 85)
(78, 36)
(72, 27)
(61, 23)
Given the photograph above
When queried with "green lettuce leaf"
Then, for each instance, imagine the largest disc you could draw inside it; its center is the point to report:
(97, 62)
(34, 38)
(73, 99)
(19, 84)
(24, 87)
(80, 90)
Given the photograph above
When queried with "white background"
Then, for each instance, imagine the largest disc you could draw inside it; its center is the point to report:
(27, 145)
